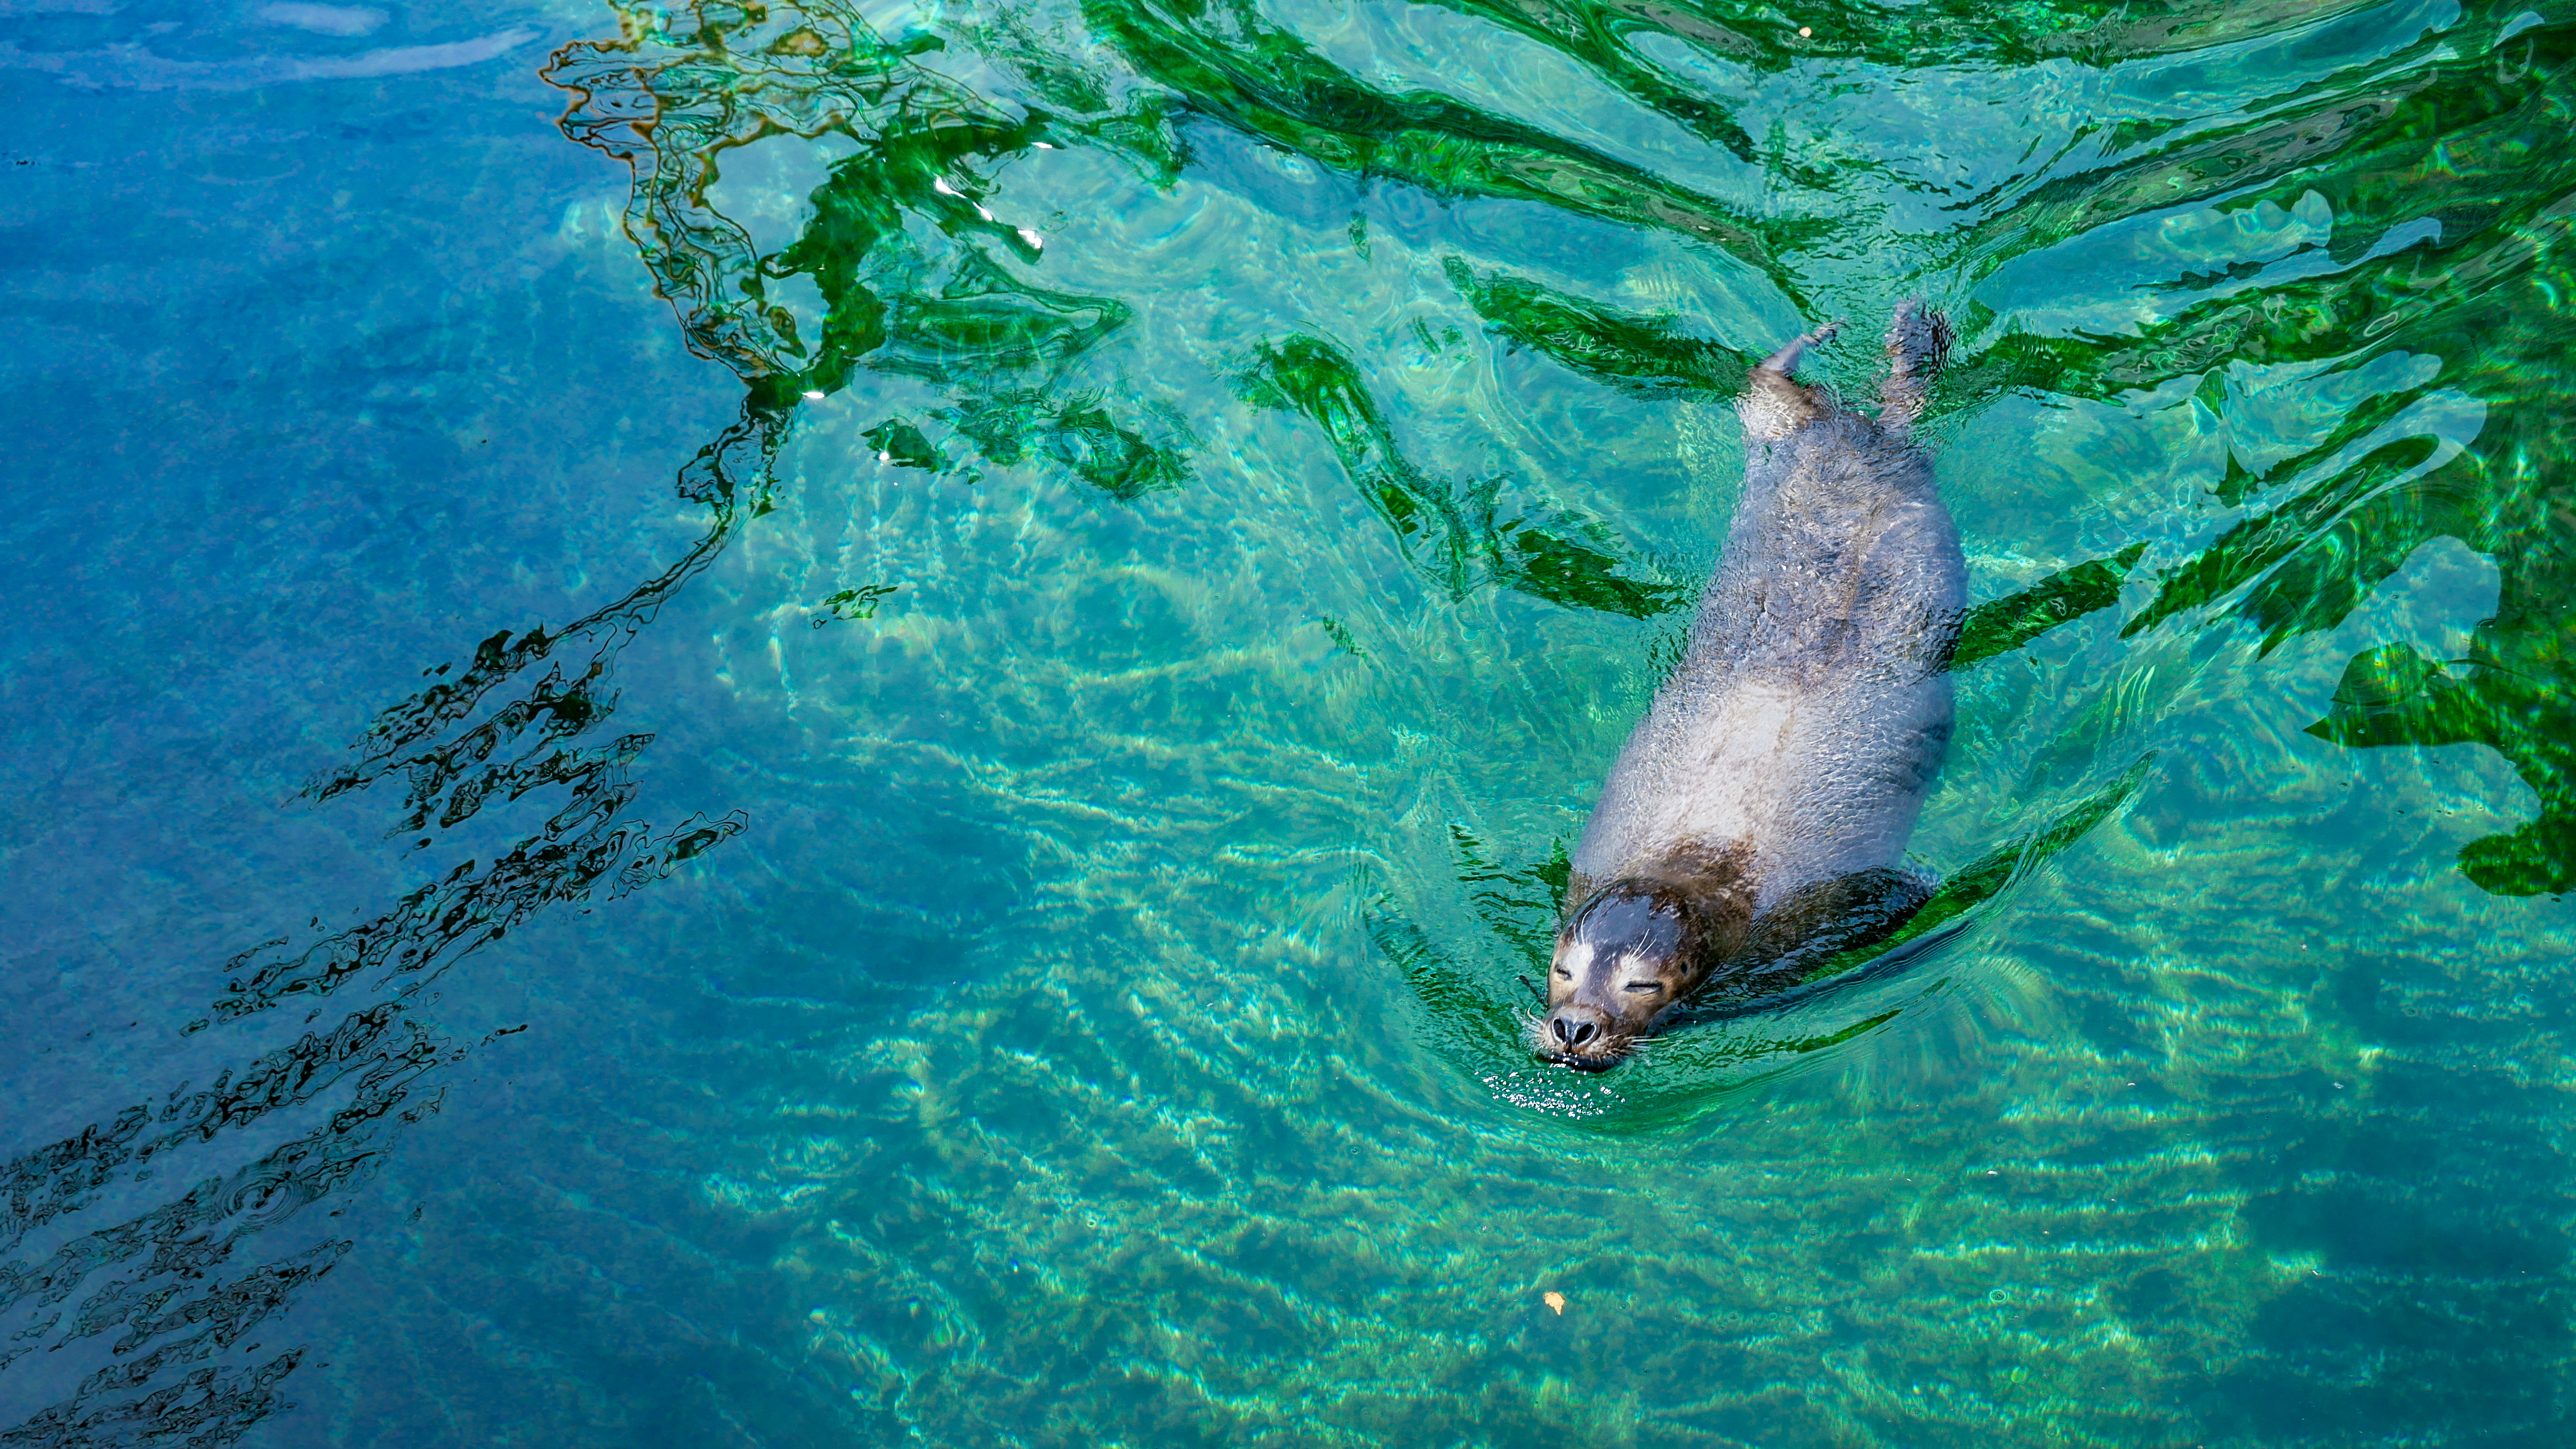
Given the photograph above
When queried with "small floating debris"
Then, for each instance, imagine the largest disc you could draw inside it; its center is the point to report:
(1554, 1300)
(813, 394)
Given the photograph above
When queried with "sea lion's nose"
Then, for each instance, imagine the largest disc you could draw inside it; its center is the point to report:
(1571, 1031)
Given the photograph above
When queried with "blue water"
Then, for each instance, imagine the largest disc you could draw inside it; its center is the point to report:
(839, 724)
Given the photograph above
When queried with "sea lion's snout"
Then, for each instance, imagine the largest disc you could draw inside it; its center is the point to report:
(1574, 1026)
(1620, 962)
(1582, 1036)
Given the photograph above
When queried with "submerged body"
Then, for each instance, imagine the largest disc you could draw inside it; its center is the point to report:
(1757, 818)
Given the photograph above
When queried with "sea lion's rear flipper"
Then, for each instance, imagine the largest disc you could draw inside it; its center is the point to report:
(1774, 405)
(1785, 361)
(1918, 341)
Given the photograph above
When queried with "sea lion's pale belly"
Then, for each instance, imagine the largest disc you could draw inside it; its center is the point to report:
(1803, 784)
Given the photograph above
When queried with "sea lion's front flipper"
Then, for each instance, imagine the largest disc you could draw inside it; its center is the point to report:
(1831, 916)
(1774, 405)
(1918, 341)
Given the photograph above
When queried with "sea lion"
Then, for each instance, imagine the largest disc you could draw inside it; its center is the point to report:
(1756, 820)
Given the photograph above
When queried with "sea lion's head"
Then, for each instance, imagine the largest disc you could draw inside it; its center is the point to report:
(1624, 957)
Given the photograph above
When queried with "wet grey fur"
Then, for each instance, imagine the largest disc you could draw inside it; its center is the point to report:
(1811, 709)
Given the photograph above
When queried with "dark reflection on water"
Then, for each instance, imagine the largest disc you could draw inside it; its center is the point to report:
(178, 1268)
(2434, 140)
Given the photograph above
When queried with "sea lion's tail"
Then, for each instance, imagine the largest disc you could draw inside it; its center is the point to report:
(1918, 341)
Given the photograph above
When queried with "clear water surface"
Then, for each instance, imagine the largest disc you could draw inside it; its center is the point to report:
(841, 723)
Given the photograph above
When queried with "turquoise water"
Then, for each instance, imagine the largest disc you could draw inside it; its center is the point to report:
(842, 724)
